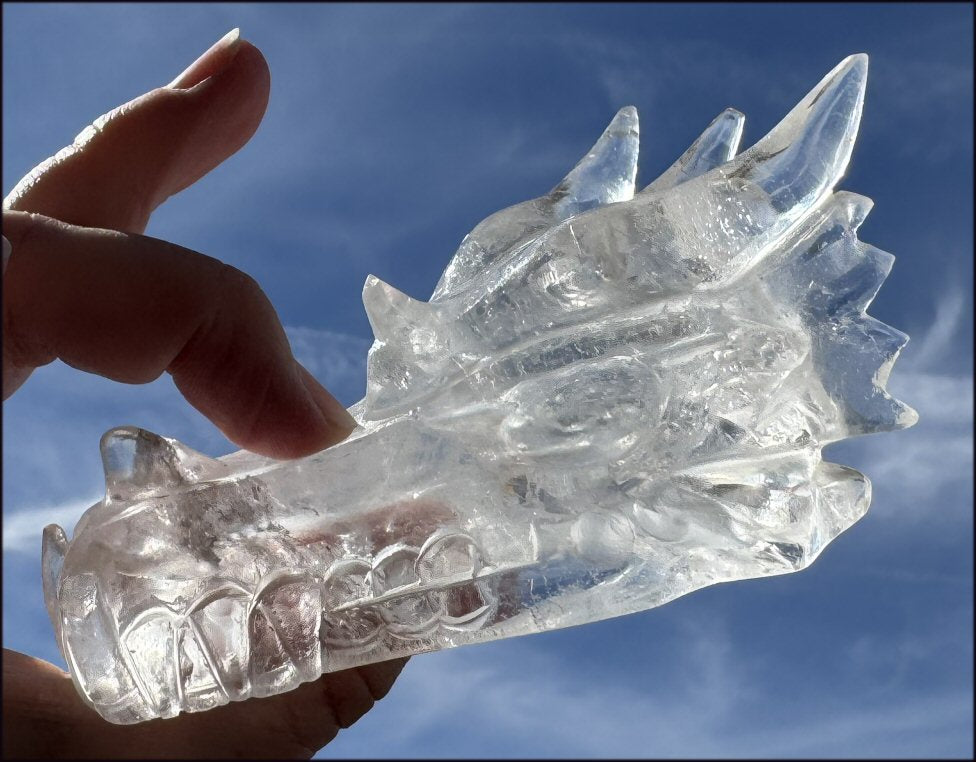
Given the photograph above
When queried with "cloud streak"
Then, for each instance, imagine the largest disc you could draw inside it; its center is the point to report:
(22, 530)
(338, 360)
(706, 700)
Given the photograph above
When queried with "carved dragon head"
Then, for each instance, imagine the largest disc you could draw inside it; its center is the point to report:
(612, 398)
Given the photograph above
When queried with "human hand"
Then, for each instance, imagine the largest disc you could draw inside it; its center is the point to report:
(84, 286)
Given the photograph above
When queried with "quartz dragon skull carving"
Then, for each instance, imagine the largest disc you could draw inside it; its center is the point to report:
(611, 399)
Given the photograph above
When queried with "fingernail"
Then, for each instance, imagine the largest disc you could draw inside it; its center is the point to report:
(6, 252)
(214, 61)
(332, 410)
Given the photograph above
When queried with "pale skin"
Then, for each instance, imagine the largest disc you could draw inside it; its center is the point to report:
(83, 285)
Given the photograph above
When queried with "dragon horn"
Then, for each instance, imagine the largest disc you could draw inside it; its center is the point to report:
(806, 154)
(715, 146)
(607, 173)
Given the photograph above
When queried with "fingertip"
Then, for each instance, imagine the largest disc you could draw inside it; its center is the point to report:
(213, 61)
(381, 676)
(299, 418)
(251, 58)
(336, 417)
(223, 113)
(246, 77)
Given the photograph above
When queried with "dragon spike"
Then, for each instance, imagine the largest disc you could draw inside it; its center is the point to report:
(807, 153)
(136, 460)
(54, 546)
(714, 147)
(856, 289)
(829, 270)
(606, 174)
(390, 311)
(862, 354)
(860, 207)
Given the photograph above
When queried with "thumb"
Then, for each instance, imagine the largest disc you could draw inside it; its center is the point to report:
(130, 160)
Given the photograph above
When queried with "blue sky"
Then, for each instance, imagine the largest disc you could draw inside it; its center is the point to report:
(393, 130)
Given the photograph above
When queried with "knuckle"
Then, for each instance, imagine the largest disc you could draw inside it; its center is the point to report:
(238, 289)
(350, 711)
(20, 345)
(349, 696)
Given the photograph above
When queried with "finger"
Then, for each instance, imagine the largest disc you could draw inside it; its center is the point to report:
(35, 692)
(317, 711)
(380, 677)
(130, 307)
(133, 158)
(45, 718)
(48, 719)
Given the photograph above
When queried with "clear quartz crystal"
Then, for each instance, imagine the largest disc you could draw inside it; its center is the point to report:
(611, 399)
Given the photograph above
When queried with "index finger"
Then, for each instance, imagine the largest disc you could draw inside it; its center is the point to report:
(130, 307)
(133, 158)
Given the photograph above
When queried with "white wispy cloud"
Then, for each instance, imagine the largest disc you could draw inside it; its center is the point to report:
(22, 530)
(564, 712)
(337, 360)
(936, 455)
(709, 698)
(940, 337)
